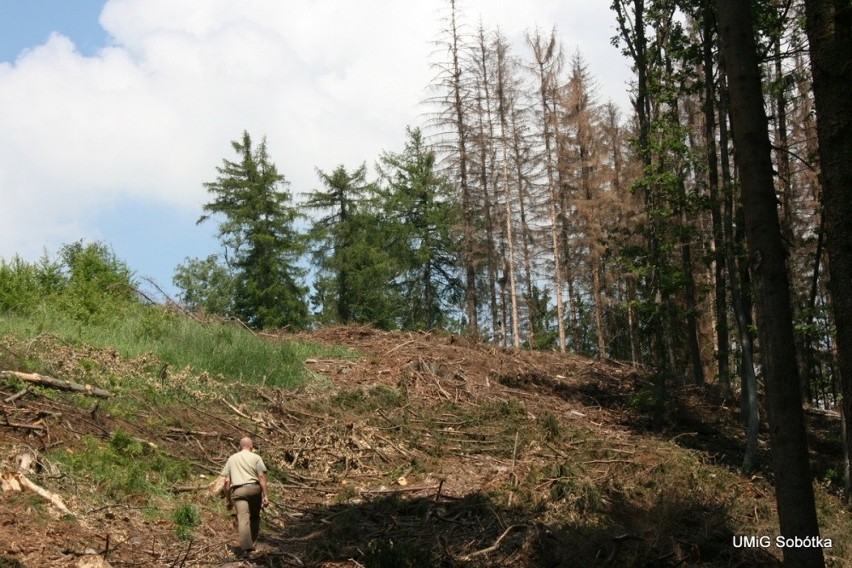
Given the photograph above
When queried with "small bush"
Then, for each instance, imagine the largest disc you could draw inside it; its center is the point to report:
(186, 518)
(378, 397)
(551, 426)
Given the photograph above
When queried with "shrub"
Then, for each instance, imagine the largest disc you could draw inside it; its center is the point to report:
(186, 517)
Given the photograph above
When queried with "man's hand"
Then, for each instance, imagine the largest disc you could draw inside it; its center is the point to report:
(264, 501)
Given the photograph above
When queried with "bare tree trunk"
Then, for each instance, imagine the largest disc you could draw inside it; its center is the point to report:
(793, 482)
(829, 27)
(502, 110)
(525, 229)
(545, 56)
(719, 254)
(785, 181)
(486, 158)
(691, 310)
(466, 202)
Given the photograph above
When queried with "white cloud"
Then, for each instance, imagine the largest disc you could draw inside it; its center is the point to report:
(151, 115)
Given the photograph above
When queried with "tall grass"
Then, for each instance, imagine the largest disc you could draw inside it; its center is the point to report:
(88, 297)
(134, 329)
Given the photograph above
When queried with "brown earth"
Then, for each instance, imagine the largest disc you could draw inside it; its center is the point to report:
(421, 450)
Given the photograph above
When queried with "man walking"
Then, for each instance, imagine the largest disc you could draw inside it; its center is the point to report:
(246, 489)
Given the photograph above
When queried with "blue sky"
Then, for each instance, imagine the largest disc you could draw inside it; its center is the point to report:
(116, 112)
(27, 23)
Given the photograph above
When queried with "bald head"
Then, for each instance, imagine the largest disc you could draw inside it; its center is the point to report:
(246, 443)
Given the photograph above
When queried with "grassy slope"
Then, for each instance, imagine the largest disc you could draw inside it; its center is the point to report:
(422, 452)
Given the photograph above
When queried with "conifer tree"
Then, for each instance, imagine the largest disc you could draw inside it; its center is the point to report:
(355, 269)
(420, 216)
(260, 241)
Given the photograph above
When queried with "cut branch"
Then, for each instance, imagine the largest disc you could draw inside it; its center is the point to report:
(16, 481)
(59, 384)
(493, 547)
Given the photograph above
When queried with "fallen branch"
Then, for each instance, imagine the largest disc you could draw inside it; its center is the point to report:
(493, 547)
(46, 381)
(17, 395)
(181, 431)
(400, 345)
(236, 410)
(16, 481)
(18, 425)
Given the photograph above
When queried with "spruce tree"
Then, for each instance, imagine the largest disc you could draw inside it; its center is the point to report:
(261, 244)
(420, 217)
(355, 269)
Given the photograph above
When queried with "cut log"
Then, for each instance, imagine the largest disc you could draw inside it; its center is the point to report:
(50, 382)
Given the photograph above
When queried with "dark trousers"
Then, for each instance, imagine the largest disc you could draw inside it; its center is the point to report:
(247, 502)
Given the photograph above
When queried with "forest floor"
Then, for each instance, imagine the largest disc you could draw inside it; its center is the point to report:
(415, 450)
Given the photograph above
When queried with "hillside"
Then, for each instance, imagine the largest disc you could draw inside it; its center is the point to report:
(397, 450)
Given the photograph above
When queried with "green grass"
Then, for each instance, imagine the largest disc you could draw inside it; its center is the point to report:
(122, 469)
(217, 348)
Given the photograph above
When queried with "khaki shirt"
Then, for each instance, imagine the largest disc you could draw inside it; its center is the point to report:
(243, 467)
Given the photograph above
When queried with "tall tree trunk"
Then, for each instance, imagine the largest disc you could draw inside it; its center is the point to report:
(486, 159)
(637, 45)
(793, 482)
(686, 265)
(829, 27)
(466, 201)
(691, 313)
(545, 55)
(502, 111)
(526, 235)
(719, 255)
(788, 222)
(742, 307)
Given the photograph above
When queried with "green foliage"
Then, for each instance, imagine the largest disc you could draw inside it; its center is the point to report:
(553, 430)
(19, 286)
(379, 397)
(361, 273)
(349, 249)
(257, 229)
(186, 517)
(218, 349)
(542, 320)
(206, 285)
(420, 215)
(88, 284)
(647, 399)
